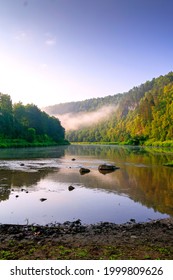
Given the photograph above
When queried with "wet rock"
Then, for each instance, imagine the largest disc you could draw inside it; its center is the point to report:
(43, 199)
(71, 188)
(107, 167)
(84, 170)
(73, 227)
(134, 236)
(78, 222)
(23, 190)
(19, 236)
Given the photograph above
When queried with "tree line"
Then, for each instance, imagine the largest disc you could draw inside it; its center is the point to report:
(27, 123)
(144, 115)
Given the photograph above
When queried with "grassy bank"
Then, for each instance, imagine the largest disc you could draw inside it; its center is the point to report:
(31, 250)
(21, 143)
(152, 240)
(148, 143)
(169, 164)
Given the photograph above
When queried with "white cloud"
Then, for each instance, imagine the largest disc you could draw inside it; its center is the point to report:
(50, 40)
(21, 36)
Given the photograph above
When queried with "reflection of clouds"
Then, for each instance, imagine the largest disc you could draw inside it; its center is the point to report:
(28, 165)
(93, 180)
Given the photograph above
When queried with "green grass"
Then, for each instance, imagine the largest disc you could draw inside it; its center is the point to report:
(169, 164)
(150, 142)
(153, 143)
(22, 143)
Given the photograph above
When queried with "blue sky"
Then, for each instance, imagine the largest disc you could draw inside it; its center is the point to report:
(54, 51)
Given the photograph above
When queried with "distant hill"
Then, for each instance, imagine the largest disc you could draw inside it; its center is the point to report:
(87, 105)
(143, 114)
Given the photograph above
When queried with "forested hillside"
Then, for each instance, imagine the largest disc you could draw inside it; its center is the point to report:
(143, 114)
(21, 124)
(88, 105)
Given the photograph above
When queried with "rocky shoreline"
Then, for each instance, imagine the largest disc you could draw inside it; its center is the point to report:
(151, 240)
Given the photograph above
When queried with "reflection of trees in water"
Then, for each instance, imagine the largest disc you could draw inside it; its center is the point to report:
(150, 186)
(122, 153)
(4, 192)
(29, 153)
(142, 175)
(15, 178)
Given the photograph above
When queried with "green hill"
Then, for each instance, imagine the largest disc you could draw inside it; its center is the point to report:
(143, 114)
(88, 105)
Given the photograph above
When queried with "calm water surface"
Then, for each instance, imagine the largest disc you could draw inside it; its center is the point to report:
(142, 189)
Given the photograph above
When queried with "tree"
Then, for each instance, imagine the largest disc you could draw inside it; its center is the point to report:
(6, 116)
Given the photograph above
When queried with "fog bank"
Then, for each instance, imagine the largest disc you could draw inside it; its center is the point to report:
(74, 121)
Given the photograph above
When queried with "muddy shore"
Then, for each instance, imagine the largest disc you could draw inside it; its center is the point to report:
(73, 240)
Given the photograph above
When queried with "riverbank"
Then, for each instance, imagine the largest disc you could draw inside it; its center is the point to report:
(147, 143)
(73, 240)
(22, 143)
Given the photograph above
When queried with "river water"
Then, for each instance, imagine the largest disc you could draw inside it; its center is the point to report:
(142, 189)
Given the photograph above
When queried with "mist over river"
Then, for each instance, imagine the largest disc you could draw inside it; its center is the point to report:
(34, 184)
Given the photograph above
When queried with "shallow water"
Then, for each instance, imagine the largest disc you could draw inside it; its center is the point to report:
(141, 189)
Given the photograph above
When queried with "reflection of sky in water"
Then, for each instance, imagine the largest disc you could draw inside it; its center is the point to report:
(140, 185)
(89, 205)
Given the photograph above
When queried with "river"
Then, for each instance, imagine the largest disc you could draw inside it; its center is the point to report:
(34, 184)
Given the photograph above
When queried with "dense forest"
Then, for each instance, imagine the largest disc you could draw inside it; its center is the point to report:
(27, 125)
(144, 114)
(88, 105)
